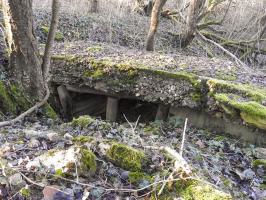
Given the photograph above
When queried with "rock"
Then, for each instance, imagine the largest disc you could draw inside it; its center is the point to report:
(53, 136)
(65, 161)
(53, 192)
(67, 136)
(34, 143)
(30, 133)
(125, 175)
(143, 183)
(260, 153)
(16, 182)
(96, 193)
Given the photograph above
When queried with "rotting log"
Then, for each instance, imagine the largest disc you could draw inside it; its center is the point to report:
(111, 109)
(162, 79)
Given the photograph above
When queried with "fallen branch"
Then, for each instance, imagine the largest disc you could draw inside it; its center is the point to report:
(239, 62)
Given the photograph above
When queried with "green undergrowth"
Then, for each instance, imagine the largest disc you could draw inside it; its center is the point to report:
(126, 157)
(259, 162)
(136, 177)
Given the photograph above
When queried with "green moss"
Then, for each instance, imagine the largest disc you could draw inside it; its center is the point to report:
(49, 112)
(59, 36)
(6, 102)
(96, 74)
(251, 112)
(25, 192)
(82, 121)
(45, 29)
(82, 139)
(94, 49)
(192, 78)
(258, 162)
(88, 161)
(59, 173)
(126, 157)
(220, 86)
(136, 177)
(196, 96)
(19, 97)
(203, 192)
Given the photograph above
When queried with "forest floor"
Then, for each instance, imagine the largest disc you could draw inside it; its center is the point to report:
(219, 160)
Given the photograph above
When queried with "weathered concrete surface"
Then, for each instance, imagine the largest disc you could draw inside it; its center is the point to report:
(233, 93)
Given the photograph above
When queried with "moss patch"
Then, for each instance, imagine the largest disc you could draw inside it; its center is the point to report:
(136, 177)
(203, 192)
(126, 157)
(88, 161)
(59, 36)
(6, 102)
(82, 121)
(81, 139)
(49, 112)
(251, 111)
(258, 162)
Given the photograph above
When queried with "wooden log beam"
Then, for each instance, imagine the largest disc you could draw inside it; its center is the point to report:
(162, 112)
(66, 102)
(111, 109)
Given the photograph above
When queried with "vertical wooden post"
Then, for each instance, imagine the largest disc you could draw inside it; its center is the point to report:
(66, 102)
(111, 109)
(162, 112)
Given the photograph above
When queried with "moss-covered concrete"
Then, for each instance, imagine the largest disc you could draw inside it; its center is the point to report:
(180, 88)
(126, 157)
(251, 112)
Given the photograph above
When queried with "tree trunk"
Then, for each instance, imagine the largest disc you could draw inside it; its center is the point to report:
(155, 15)
(6, 23)
(191, 22)
(25, 61)
(94, 6)
(50, 39)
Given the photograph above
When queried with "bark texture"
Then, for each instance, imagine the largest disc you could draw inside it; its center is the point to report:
(25, 62)
(191, 21)
(50, 39)
(155, 15)
(94, 6)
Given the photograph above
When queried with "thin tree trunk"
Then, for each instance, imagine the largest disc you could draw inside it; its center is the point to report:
(191, 22)
(6, 23)
(155, 15)
(25, 61)
(94, 6)
(50, 40)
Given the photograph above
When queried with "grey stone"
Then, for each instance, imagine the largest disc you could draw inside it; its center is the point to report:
(53, 136)
(34, 143)
(260, 153)
(16, 181)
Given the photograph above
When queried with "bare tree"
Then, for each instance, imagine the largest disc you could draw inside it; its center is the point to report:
(155, 15)
(25, 55)
(194, 10)
(25, 61)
